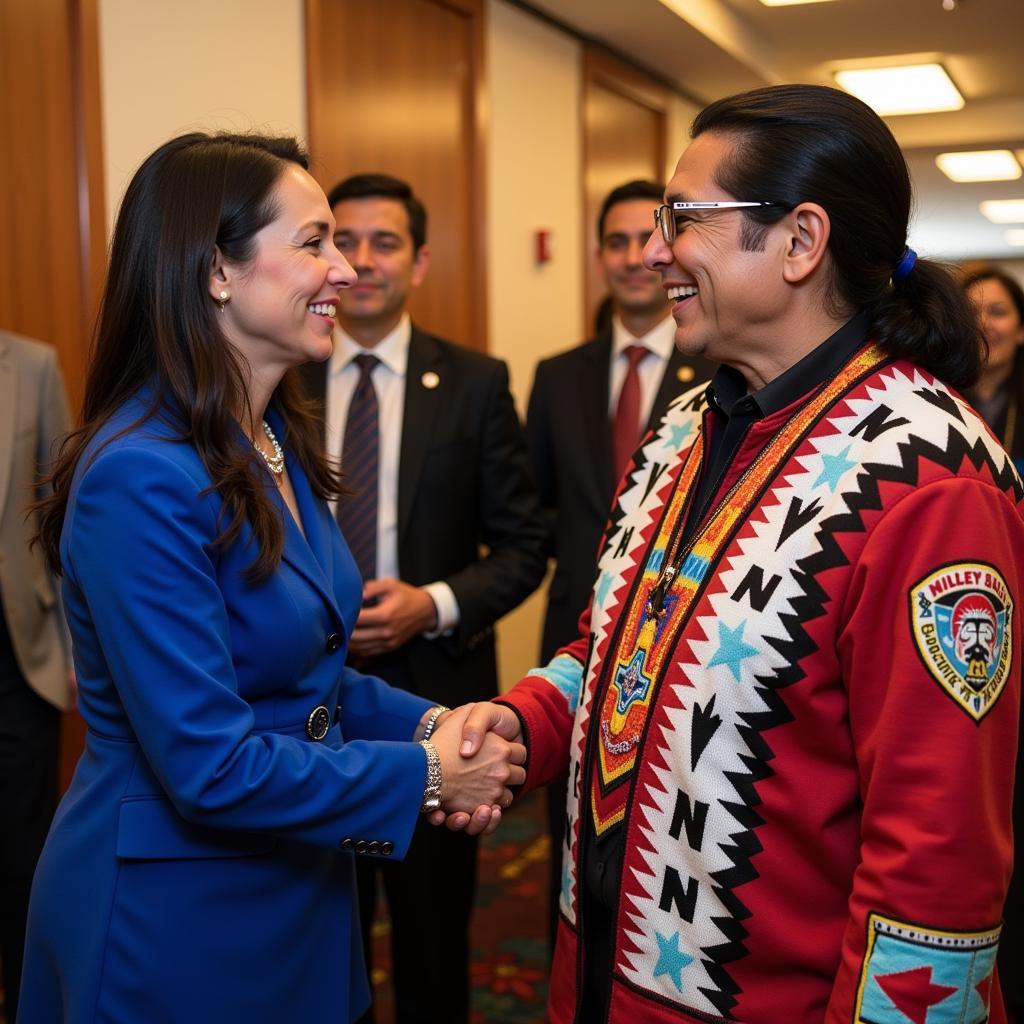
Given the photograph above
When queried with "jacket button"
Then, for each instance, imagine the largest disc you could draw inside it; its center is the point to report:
(387, 848)
(373, 847)
(361, 846)
(347, 844)
(333, 642)
(337, 712)
(319, 723)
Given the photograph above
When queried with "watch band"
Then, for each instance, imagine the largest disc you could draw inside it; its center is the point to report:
(432, 789)
(432, 720)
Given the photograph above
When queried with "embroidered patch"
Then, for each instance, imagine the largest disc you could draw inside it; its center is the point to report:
(925, 976)
(961, 618)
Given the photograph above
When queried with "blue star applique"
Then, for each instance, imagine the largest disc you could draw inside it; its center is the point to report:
(678, 434)
(601, 594)
(732, 648)
(833, 467)
(671, 959)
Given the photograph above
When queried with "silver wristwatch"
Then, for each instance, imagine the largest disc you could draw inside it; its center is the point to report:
(432, 790)
(432, 720)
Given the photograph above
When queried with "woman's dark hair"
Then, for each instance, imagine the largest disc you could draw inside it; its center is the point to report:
(159, 326)
(1011, 284)
(1016, 293)
(809, 143)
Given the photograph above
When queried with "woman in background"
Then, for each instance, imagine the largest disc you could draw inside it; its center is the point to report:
(999, 397)
(201, 866)
(999, 393)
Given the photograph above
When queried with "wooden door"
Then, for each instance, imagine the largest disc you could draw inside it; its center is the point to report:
(624, 131)
(395, 86)
(51, 208)
(52, 235)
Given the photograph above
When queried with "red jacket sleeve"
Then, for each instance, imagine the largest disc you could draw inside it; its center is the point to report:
(937, 586)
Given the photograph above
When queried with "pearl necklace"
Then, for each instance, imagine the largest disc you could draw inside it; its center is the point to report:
(275, 462)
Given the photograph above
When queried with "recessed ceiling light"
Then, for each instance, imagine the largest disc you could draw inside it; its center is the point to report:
(1003, 211)
(1015, 236)
(910, 89)
(792, 3)
(979, 165)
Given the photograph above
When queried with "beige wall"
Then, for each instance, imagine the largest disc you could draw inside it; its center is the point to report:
(534, 169)
(172, 66)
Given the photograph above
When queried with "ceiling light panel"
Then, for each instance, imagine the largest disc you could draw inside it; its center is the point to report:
(1003, 211)
(979, 165)
(909, 89)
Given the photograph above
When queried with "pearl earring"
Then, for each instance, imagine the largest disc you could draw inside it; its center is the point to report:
(223, 300)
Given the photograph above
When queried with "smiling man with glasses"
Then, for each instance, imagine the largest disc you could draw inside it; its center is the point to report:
(792, 778)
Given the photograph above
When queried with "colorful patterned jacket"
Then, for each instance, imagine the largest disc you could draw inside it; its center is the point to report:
(811, 750)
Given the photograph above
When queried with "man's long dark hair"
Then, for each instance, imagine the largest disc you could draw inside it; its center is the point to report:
(809, 143)
(159, 328)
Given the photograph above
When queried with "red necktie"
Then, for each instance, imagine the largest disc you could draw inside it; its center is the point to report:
(626, 425)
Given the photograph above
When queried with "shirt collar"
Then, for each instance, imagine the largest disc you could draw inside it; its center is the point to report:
(392, 350)
(660, 339)
(820, 365)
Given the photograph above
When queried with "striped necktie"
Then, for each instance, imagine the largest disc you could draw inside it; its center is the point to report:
(360, 462)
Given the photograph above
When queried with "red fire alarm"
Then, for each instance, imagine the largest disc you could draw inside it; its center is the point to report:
(542, 245)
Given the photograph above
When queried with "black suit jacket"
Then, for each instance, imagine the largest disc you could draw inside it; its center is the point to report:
(569, 435)
(467, 513)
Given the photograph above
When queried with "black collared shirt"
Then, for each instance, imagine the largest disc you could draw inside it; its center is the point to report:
(733, 410)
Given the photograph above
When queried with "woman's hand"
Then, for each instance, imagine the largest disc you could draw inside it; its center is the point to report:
(475, 722)
(475, 785)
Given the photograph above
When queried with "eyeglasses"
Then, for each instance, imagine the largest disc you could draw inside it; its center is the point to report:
(665, 215)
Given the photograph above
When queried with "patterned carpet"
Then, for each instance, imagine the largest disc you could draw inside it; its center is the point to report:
(509, 969)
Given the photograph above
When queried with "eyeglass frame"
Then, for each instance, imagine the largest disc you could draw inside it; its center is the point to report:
(668, 223)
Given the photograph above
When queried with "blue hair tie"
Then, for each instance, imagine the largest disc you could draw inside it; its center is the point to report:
(905, 264)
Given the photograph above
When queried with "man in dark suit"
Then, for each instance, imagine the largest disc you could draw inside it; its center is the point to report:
(588, 410)
(432, 447)
(35, 677)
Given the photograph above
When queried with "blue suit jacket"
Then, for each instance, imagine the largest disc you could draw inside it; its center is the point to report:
(200, 866)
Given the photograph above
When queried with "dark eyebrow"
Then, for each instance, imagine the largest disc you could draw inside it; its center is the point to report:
(372, 234)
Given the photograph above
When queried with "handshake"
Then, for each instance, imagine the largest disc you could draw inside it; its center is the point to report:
(482, 755)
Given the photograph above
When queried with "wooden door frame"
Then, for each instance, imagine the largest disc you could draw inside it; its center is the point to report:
(475, 117)
(92, 223)
(601, 68)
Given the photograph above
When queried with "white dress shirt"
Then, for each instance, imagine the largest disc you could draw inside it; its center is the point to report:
(389, 382)
(659, 341)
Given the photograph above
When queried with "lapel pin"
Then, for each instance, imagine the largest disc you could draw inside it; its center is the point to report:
(430, 380)
(686, 374)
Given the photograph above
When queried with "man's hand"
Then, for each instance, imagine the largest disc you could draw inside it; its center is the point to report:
(475, 788)
(393, 613)
(488, 717)
(477, 720)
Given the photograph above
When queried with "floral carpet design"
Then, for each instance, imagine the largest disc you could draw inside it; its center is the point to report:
(509, 966)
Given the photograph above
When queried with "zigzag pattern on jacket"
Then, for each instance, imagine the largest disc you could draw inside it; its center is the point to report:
(693, 818)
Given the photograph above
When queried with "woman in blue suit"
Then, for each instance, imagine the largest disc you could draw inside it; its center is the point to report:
(200, 867)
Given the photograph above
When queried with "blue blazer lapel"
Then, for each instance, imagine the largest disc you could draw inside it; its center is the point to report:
(310, 555)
